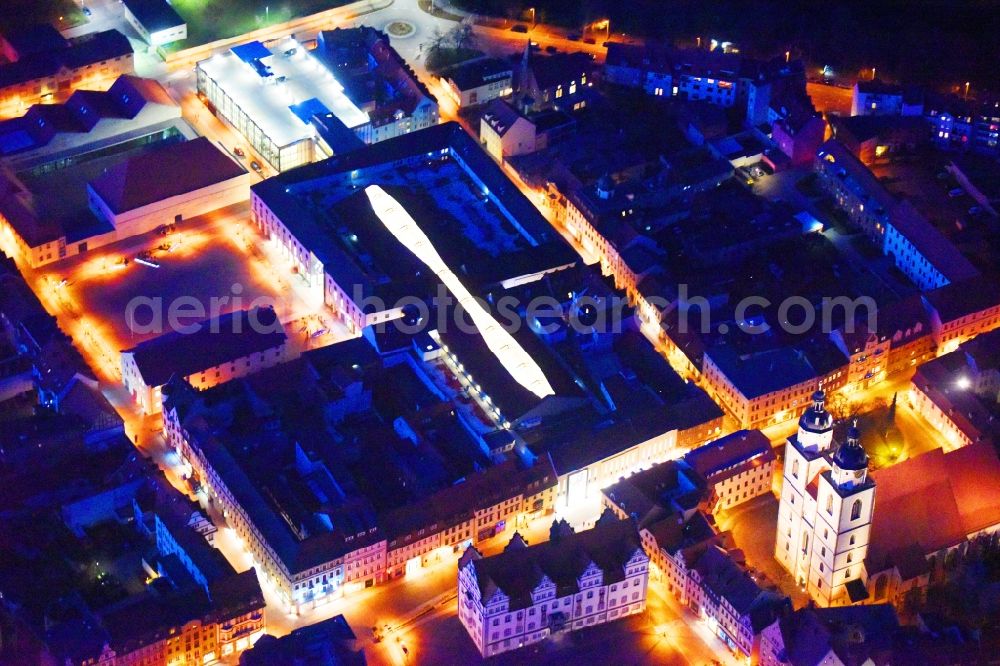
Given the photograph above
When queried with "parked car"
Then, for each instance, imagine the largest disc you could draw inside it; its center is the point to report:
(238, 152)
(573, 37)
(551, 49)
(520, 27)
(86, 11)
(590, 40)
(957, 192)
(255, 165)
(975, 210)
(535, 46)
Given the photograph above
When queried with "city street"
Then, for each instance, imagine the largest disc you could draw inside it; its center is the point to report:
(830, 99)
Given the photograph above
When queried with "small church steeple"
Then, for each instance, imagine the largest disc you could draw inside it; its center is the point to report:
(816, 424)
(850, 462)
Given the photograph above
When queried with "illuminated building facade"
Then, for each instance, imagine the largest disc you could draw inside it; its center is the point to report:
(214, 352)
(575, 580)
(91, 62)
(825, 514)
(312, 531)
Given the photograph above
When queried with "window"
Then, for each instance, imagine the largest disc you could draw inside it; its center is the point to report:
(853, 539)
(829, 504)
(856, 510)
(795, 468)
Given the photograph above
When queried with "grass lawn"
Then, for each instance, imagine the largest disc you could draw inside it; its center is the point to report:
(209, 20)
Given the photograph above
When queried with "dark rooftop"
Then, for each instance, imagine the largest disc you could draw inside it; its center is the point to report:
(211, 343)
(475, 73)
(154, 15)
(517, 571)
(80, 52)
(176, 169)
(735, 449)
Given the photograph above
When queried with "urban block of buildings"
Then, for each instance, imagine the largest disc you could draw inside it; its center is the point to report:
(896, 227)
(286, 454)
(672, 504)
(872, 633)
(295, 105)
(328, 641)
(130, 573)
(769, 94)
(44, 67)
(574, 580)
(958, 393)
(478, 221)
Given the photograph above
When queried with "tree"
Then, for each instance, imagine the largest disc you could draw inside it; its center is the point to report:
(462, 36)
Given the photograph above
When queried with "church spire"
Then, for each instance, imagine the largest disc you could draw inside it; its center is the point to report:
(850, 462)
(816, 424)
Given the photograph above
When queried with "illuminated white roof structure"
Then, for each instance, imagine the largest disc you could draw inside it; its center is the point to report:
(518, 363)
(265, 81)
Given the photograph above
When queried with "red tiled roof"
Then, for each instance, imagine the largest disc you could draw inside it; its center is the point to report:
(935, 500)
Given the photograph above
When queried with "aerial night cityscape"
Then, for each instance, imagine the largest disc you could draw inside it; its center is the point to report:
(604, 332)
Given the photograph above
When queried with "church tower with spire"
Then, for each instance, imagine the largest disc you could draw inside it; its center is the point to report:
(825, 511)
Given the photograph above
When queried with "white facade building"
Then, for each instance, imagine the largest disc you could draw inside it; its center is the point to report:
(574, 580)
(825, 514)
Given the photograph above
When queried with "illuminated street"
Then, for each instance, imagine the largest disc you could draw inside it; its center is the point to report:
(167, 162)
(830, 98)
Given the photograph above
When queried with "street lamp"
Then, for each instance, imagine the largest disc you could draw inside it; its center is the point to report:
(966, 90)
(532, 10)
(788, 56)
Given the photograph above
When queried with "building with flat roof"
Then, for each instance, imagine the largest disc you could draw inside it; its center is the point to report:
(482, 226)
(155, 20)
(768, 386)
(270, 95)
(294, 104)
(91, 62)
(573, 581)
(212, 352)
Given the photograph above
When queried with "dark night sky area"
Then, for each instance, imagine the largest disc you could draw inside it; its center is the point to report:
(915, 41)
